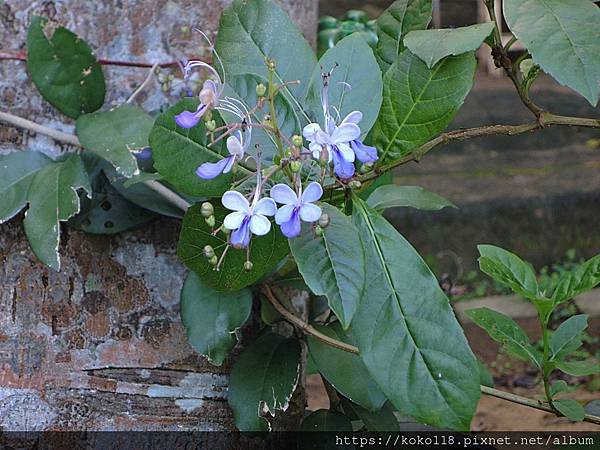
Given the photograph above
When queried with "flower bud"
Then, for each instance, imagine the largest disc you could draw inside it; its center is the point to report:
(277, 160)
(248, 266)
(225, 230)
(207, 210)
(365, 168)
(165, 87)
(211, 125)
(324, 220)
(319, 231)
(261, 90)
(296, 166)
(207, 96)
(297, 140)
(208, 116)
(288, 153)
(162, 77)
(210, 221)
(213, 261)
(355, 184)
(209, 252)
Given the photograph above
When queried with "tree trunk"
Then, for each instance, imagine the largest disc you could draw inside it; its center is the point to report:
(100, 346)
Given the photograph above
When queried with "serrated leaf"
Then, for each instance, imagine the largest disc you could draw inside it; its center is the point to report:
(510, 270)
(503, 329)
(356, 83)
(573, 283)
(434, 45)
(579, 368)
(53, 199)
(419, 103)
(265, 252)
(563, 37)
(262, 380)
(393, 196)
(113, 135)
(407, 334)
(567, 337)
(335, 365)
(211, 318)
(570, 408)
(17, 170)
(247, 37)
(178, 152)
(333, 265)
(394, 23)
(63, 68)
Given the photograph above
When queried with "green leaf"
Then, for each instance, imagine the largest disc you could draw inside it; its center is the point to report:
(178, 152)
(374, 421)
(211, 318)
(563, 38)
(434, 45)
(567, 338)
(419, 103)
(485, 377)
(17, 170)
(503, 329)
(559, 387)
(326, 420)
(53, 199)
(265, 252)
(63, 68)
(576, 282)
(510, 270)
(394, 23)
(262, 380)
(247, 37)
(333, 265)
(114, 135)
(570, 408)
(407, 334)
(579, 368)
(392, 196)
(335, 365)
(356, 83)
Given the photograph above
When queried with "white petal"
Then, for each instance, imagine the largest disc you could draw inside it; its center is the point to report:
(235, 146)
(310, 212)
(234, 220)
(265, 207)
(311, 130)
(284, 214)
(345, 133)
(235, 201)
(354, 117)
(315, 149)
(323, 138)
(312, 193)
(284, 194)
(347, 152)
(259, 225)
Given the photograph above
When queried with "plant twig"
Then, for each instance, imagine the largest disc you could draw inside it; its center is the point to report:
(144, 84)
(71, 139)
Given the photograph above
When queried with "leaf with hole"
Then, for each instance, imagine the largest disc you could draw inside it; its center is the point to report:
(393, 196)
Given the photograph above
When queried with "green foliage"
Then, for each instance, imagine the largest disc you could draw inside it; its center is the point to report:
(262, 380)
(570, 409)
(393, 196)
(394, 23)
(381, 420)
(419, 103)
(115, 134)
(579, 368)
(63, 68)
(569, 28)
(567, 338)
(333, 265)
(266, 252)
(434, 45)
(211, 318)
(581, 279)
(433, 375)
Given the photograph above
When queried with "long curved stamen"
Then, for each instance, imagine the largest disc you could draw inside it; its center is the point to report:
(217, 57)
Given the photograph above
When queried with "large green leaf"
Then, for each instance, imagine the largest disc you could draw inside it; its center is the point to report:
(419, 103)
(582, 279)
(253, 30)
(567, 337)
(63, 68)
(114, 135)
(335, 365)
(263, 380)
(510, 270)
(392, 196)
(579, 368)
(333, 265)
(265, 252)
(356, 84)
(434, 45)
(17, 170)
(178, 152)
(394, 23)
(53, 199)
(503, 329)
(563, 37)
(407, 334)
(211, 318)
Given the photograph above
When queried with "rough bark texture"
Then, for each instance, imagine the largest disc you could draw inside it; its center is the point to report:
(100, 346)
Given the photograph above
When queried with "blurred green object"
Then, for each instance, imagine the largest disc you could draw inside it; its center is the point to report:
(332, 30)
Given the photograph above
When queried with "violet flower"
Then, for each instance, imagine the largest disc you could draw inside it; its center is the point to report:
(296, 207)
(236, 149)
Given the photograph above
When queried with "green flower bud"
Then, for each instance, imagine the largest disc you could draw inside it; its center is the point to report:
(211, 125)
(297, 140)
(296, 166)
(355, 184)
(210, 221)
(209, 252)
(287, 153)
(207, 210)
(165, 87)
(261, 90)
(208, 116)
(319, 231)
(324, 220)
(277, 160)
(248, 266)
(162, 77)
(365, 168)
(213, 261)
